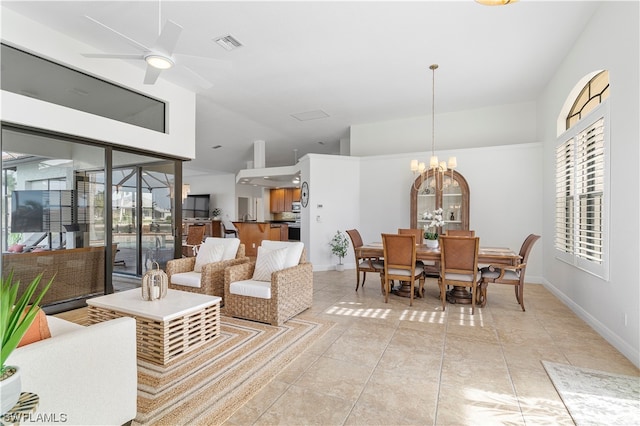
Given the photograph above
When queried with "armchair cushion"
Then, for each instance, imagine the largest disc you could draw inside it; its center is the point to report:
(267, 262)
(294, 250)
(188, 279)
(230, 246)
(251, 288)
(209, 252)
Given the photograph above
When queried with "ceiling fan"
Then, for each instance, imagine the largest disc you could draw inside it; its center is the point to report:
(159, 57)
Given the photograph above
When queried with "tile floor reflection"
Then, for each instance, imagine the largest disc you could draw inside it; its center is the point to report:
(391, 364)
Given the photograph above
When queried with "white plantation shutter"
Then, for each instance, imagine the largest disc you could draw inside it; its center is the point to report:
(590, 188)
(581, 190)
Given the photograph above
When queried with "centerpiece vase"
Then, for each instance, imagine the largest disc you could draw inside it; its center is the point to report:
(432, 243)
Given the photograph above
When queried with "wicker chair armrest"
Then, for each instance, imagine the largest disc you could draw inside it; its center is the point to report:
(212, 275)
(241, 252)
(176, 266)
(294, 278)
(241, 272)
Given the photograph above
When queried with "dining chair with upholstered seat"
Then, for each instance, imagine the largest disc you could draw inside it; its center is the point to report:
(195, 236)
(229, 229)
(510, 275)
(400, 263)
(364, 264)
(460, 233)
(419, 233)
(459, 265)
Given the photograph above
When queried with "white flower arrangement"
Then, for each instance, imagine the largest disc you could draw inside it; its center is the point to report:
(437, 220)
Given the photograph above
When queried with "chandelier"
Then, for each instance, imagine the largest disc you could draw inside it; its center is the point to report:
(440, 167)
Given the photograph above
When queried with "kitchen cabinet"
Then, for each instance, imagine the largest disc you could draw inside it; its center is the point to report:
(282, 198)
(253, 233)
(449, 191)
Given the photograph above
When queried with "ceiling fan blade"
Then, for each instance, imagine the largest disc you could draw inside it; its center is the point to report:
(151, 75)
(113, 55)
(200, 81)
(131, 41)
(168, 38)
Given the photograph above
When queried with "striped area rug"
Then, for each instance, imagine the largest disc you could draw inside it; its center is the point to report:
(209, 385)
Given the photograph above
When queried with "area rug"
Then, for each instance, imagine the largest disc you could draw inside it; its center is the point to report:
(595, 397)
(208, 385)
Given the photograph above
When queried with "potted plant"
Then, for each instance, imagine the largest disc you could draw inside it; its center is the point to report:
(431, 229)
(16, 315)
(339, 245)
(216, 213)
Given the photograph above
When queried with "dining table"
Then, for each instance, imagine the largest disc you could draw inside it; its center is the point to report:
(486, 256)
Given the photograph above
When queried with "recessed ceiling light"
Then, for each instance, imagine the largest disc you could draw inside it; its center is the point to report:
(228, 42)
(310, 115)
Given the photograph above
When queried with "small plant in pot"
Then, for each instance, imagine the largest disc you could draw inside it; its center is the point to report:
(339, 245)
(16, 315)
(216, 213)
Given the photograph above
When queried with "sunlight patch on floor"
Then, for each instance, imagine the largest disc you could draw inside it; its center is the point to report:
(354, 311)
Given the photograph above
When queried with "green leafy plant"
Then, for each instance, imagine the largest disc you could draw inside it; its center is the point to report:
(16, 315)
(216, 212)
(339, 245)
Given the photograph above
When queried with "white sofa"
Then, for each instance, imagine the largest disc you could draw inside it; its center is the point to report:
(83, 375)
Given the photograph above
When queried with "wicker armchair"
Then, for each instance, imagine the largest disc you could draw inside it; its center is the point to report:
(290, 291)
(211, 278)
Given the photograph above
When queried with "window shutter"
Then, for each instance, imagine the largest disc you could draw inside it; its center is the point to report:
(590, 188)
(565, 158)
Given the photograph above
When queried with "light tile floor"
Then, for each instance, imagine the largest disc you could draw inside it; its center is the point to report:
(391, 364)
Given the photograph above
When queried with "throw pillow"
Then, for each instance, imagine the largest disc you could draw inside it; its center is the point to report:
(208, 253)
(267, 262)
(16, 248)
(38, 330)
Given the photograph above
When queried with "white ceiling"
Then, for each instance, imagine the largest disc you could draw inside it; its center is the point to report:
(358, 62)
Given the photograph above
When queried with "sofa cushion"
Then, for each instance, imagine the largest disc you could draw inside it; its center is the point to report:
(267, 262)
(230, 246)
(38, 330)
(294, 250)
(208, 253)
(188, 279)
(251, 288)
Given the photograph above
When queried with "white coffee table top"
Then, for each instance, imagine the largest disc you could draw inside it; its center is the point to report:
(176, 304)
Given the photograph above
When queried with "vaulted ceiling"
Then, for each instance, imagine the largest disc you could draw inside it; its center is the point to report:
(308, 70)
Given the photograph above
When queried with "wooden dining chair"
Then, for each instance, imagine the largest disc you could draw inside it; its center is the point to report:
(195, 236)
(459, 265)
(460, 233)
(400, 263)
(419, 233)
(363, 264)
(510, 275)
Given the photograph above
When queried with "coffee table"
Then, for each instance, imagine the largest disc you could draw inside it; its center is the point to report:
(166, 328)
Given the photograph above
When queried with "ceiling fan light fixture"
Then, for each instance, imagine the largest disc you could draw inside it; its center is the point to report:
(495, 2)
(159, 61)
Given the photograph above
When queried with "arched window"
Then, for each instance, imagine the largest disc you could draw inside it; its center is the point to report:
(582, 179)
(592, 95)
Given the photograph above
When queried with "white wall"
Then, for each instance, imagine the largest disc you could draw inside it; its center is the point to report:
(610, 41)
(221, 190)
(334, 188)
(179, 141)
(490, 126)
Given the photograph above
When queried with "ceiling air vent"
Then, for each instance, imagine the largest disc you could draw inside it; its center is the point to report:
(228, 42)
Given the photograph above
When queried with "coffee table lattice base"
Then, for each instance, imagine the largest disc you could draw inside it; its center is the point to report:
(160, 342)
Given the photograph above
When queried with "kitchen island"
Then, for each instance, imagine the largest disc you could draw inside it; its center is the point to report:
(252, 233)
